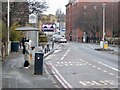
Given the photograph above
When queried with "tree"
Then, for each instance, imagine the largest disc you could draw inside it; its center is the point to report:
(60, 15)
(37, 7)
(4, 32)
(15, 35)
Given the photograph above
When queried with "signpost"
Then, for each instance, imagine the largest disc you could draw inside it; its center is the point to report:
(32, 18)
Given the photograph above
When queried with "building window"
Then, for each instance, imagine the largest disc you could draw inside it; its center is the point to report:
(95, 7)
(85, 7)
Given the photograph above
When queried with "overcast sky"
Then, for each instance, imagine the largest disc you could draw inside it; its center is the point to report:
(56, 4)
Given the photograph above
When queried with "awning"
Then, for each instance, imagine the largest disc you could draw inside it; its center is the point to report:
(27, 28)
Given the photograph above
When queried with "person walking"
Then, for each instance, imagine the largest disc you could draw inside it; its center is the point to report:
(27, 55)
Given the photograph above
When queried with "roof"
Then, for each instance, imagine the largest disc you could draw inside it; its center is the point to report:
(27, 28)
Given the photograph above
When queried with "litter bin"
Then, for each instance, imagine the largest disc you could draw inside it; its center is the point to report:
(106, 45)
(38, 67)
(15, 46)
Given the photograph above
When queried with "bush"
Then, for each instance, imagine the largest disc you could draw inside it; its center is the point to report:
(4, 33)
(15, 35)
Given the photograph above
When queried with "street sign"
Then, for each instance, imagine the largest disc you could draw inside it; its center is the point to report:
(32, 18)
(48, 27)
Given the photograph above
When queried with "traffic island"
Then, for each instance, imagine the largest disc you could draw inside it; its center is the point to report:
(102, 49)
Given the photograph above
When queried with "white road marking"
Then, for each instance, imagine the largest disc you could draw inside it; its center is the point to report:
(103, 82)
(111, 73)
(82, 83)
(65, 54)
(70, 62)
(94, 66)
(80, 59)
(63, 84)
(99, 68)
(60, 77)
(96, 83)
(88, 82)
(66, 64)
(89, 64)
(61, 65)
(99, 83)
(58, 62)
(118, 77)
(111, 82)
(104, 71)
(108, 66)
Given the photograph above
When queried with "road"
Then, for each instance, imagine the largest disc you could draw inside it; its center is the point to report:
(78, 65)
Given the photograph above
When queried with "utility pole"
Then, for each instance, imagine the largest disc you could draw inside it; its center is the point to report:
(103, 23)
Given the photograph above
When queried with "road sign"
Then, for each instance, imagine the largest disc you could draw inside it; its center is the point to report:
(32, 18)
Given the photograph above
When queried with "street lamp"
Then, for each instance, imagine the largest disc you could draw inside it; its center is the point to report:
(103, 24)
(8, 23)
(59, 22)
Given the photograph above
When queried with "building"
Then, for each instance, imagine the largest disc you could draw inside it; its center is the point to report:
(46, 19)
(85, 16)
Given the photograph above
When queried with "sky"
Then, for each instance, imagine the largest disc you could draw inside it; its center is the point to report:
(56, 4)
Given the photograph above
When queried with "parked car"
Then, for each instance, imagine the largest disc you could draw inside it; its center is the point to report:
(62, 40)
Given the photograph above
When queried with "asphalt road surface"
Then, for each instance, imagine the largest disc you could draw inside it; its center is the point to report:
(78, 65)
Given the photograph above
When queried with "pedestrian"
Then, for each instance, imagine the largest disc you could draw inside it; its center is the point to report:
(23, 44)
(52, 44)
(27, 55)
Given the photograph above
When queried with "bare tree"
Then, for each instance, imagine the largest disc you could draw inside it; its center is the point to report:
(37, 7)
(60, 15)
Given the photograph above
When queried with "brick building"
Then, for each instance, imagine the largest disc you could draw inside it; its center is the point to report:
(87, 16)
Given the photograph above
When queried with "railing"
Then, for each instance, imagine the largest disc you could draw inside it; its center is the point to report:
(46, 47)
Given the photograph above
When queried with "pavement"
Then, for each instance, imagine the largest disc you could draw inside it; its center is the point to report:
(14, 75)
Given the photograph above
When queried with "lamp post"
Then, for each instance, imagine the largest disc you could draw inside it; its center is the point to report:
(8, 22)
(59, 22)
(103, 24)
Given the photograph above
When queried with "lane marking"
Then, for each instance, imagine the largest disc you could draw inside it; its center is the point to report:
(96, 83)
(82, 83)
(111, 73)
(109, 66)
(103, 82)
(80, 59)
(118, 77)
(70, 62)
(65, 54)
(111, 82)
(104, 71)
(63, 84)
(99, 68)
(89, 64)
(66, 64)
(60, 77)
